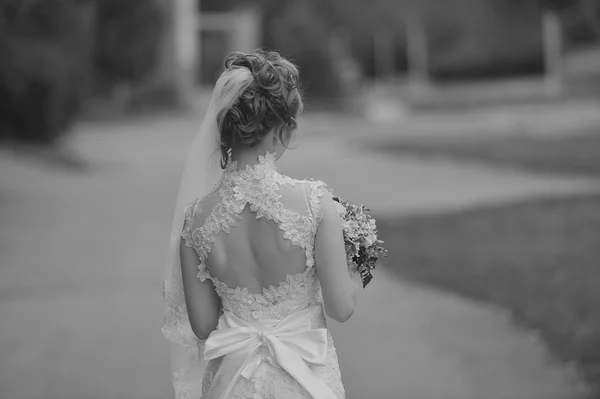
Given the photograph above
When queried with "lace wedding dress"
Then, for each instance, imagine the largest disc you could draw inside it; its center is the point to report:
(272, 344)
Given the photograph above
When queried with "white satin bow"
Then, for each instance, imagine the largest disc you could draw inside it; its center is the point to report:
(292, 343)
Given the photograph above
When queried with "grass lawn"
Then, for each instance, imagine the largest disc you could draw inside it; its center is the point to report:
(575, 154)
(540, 260)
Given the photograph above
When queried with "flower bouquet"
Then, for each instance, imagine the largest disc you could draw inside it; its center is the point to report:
(363, 248)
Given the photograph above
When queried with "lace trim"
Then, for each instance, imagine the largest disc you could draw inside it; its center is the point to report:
(268, 293)
(190, 211)
(220, 219)
(315, 199)
(180, 379)
(176, 326)
(203, 272)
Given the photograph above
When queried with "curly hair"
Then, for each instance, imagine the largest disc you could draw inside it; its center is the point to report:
(272, 100)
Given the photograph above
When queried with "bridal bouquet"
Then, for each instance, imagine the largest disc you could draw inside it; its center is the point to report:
(363, 248)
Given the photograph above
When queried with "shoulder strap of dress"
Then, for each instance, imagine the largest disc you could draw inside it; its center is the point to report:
(190, 212)
(317, 189)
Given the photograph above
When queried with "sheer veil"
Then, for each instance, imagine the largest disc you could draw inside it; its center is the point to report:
(201, 174)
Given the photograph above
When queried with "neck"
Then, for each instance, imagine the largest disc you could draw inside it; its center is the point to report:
(247, 156)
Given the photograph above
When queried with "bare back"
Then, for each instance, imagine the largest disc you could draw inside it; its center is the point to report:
(256, 230)
(265, 242)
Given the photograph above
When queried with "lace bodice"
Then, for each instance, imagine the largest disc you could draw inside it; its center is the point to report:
(259, 187)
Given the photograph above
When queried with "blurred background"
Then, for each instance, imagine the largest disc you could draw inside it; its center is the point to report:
(470, 127)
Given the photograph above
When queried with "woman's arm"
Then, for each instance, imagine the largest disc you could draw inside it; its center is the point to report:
(202, 301)
(339, 291)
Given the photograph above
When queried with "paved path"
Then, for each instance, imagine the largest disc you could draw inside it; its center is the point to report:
(81, 263)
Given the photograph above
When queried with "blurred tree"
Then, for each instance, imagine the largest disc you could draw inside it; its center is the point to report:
(583, 21)
(220, 5)
(557, 5)
(127, 40)
(468, 38)
(303, 34)
(591, 10)
(300, 30)
(581, 17)
(41, 70)
(471, 39)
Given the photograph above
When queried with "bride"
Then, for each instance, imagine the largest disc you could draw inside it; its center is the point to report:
(256, 257)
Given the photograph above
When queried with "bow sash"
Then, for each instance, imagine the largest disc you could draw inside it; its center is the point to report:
(292, 343)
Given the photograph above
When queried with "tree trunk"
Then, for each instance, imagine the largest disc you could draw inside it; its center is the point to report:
(554, 57)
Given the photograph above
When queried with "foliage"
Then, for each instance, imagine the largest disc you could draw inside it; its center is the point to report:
(41, 71)
(539, 260)
(127, 39)
(468, 38)
(581, 17)
(300, 32)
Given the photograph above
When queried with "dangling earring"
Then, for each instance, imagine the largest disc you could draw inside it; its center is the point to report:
(225, 153)
(281, 136)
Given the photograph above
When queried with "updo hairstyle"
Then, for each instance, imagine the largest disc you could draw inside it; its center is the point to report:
(272, 100)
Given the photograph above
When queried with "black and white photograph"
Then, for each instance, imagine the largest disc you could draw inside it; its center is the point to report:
(299, 199)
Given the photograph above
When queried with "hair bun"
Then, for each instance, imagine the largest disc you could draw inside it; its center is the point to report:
(271, 100)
